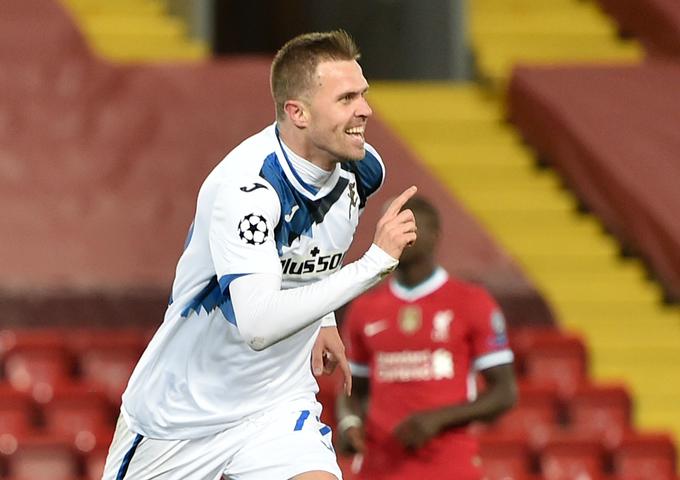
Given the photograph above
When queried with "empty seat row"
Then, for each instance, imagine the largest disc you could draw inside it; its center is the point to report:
(38, 361)
(639, 456)
(46, 457)
(602, 411)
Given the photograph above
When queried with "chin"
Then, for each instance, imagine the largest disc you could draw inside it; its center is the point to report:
(356, 155)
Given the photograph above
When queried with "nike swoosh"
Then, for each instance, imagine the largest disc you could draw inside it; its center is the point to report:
(289, 216)
(374, 328)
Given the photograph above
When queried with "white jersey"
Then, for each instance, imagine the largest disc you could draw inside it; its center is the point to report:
(254, 215)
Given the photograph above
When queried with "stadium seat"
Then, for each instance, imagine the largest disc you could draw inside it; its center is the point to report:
(17, 414)
(505, 457)
(642, 456)
(569, 457)
(603, 411)
(535, 415)
(94, 463)
(36, 362)
(108, 360)
(81, 415)
(43, 458)
(556, 360)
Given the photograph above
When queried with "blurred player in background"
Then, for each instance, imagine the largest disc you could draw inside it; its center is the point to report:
(225, 387)
(415, 345)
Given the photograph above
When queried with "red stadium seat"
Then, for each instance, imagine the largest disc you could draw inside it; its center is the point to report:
(80, 415)
(556, 360)
(17, 414)
(126, 338)
(603, 411)
(30, 338)
(94, 463)
(569, 457)
(642, 456)
(536, 414)
(109, 366)
(505, 457)
(43, 458)
(36, 361)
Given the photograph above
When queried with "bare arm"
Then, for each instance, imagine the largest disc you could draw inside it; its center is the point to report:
(350, 412)
(499, 396)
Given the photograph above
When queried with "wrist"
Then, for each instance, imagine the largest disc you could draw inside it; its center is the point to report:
(348, 421)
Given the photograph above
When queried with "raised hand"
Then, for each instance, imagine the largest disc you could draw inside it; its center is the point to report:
(396, 229)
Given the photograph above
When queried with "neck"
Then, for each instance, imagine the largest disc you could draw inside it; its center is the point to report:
(413, 274)
(298, 143)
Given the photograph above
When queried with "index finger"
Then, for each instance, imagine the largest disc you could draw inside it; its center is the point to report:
(347, 373)
(396, 204)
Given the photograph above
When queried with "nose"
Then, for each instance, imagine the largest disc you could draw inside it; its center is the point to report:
(363, 108)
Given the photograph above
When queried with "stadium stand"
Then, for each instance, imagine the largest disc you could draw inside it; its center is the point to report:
(507, 32)
(638, 167)
(115, 155)
(136, 30)
(655, 23)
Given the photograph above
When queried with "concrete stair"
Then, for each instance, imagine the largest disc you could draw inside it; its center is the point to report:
(135, 31)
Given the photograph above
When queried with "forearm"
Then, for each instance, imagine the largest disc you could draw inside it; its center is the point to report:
(463, 414)
(489, 405)
(266, 314)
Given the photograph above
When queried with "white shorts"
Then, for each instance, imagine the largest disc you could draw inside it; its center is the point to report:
(274, 445)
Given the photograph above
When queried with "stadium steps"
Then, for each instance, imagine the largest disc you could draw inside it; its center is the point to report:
(458, 130)
(135, 30)
(507, 32)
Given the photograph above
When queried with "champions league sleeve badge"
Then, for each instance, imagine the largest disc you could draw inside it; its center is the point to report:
(253, 229)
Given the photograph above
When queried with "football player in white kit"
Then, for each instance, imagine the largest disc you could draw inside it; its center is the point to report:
(225, 388)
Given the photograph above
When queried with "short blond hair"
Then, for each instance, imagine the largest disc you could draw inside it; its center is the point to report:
(294, 66)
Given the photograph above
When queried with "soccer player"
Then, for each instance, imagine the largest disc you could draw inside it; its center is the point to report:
(415, 344)
(225, 387)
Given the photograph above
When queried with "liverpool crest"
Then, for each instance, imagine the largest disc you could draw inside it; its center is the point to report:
(410, 319)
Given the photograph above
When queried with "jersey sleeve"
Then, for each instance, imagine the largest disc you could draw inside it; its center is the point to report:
(489, 335)
(353, 336)
(242, 223)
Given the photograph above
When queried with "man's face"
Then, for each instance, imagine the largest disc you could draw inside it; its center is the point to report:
(338, 112)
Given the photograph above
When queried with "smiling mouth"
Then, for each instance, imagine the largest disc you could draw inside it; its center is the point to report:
(356, 132)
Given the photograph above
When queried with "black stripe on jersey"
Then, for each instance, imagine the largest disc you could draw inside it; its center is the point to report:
(369, 175)
(307, 213)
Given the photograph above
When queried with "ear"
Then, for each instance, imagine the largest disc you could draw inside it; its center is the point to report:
(297, 113)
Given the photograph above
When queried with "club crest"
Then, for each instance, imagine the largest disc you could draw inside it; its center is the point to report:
(410, 319)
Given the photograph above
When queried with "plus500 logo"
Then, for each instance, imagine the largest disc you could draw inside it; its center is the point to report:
(319, 264)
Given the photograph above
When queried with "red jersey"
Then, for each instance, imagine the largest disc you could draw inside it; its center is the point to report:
(421, 348)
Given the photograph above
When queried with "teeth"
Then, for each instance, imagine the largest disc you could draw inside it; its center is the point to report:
(356, 130)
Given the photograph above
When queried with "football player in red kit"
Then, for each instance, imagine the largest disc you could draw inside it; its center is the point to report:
(416, 344)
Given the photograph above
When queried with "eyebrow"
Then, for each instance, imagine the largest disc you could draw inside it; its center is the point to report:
(353, 93)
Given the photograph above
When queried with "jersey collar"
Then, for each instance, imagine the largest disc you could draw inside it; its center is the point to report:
(423, 289)
(300, 185)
